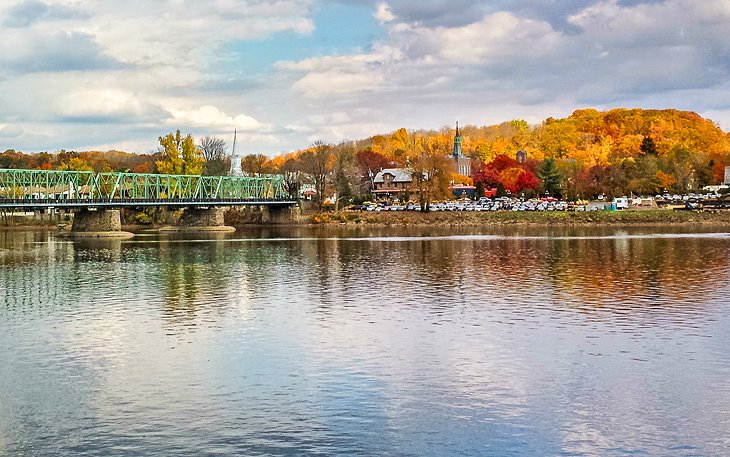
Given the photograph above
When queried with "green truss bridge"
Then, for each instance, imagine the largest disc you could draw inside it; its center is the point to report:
(85, 189)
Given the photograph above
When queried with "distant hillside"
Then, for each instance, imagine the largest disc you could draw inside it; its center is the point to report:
(589, 153)
(82, 161)
(589, 136)
(594, 137)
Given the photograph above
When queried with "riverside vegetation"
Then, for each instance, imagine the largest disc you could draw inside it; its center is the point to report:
(589, 153)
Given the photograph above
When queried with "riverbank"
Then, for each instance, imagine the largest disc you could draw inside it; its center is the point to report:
(460, 219)
(473, 219)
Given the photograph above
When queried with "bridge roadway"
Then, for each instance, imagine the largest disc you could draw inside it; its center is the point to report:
(34, 189)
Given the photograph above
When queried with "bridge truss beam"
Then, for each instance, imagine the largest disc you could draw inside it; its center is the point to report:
(25, 188)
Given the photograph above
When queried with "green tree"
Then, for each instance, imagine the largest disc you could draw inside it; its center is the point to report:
(550, 176)
(642, 174)
(648, 146)
(520, 125)
(479, 191)
(179, 156)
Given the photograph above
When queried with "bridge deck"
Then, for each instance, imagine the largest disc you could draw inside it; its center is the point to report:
(132, 203)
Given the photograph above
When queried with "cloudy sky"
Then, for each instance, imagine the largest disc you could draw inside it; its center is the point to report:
(101, 74)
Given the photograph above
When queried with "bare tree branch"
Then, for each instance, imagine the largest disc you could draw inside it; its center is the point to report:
(214, 152)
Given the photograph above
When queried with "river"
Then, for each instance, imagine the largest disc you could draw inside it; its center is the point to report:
(298, 341)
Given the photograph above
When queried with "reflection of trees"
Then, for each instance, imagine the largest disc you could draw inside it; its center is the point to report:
(200, 278)
(26, 288)
(636, 274)
(593, 271)
(39, 273)
(188, 274)
(597, 272)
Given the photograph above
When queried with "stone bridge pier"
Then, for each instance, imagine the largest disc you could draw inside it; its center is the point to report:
(278, 214)
(203, 220)
(102, 223)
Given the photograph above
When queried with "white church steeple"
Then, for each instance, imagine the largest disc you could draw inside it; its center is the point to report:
(235, 160)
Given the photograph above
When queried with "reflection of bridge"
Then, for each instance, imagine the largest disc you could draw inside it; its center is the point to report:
(85, 189)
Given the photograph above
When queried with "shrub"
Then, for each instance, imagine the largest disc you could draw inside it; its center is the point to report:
(142, 218)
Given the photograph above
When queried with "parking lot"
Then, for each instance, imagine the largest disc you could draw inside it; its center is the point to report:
(689, 201)
(486, 204)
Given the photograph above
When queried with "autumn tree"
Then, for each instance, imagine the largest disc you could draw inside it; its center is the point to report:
(256, 164)
(431, 173)
(506, 173)
(370, 163)
(292, 171)
(179, 155)
(344, 172)
(316, 164)
(14, 159)
(609, 180)
(76, 164)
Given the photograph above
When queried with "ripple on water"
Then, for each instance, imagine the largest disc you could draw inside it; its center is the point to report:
(532, 344)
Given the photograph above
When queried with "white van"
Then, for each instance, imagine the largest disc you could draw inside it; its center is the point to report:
(621, 202)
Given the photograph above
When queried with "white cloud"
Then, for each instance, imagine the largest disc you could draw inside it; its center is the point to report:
(505, 64)
(88, 61)
(213, 118)
(337, 82)
(340, 75)
(10, 130)
(496, 35)
(100, 102)
(143, 67)
(383, 13)
(299, 128)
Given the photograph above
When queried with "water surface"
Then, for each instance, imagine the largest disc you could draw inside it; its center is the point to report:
(367, 342)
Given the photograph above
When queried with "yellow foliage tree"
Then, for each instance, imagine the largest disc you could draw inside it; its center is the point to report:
(179, 156)
(456, 178)
(667, 181)
(431, 172)
(76, 164)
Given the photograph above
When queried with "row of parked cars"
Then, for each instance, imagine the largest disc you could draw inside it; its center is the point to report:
(484, 204)
(546, 204)
(675, 198)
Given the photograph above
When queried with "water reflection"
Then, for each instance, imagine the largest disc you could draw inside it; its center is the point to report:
(366, 342)
(628, 277)
(589, 275)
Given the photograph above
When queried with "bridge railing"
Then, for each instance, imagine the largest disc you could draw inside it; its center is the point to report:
(115, 186)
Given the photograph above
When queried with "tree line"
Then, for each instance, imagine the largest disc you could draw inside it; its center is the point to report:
(589, 153)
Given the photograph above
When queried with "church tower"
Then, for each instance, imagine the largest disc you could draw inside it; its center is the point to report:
(462, 164)
(457, 144)
(235, 160)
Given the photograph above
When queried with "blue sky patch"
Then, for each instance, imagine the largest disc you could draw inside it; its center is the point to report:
(338, 29)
